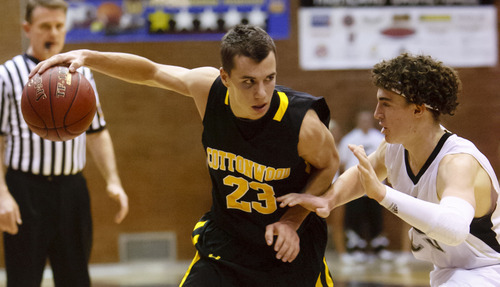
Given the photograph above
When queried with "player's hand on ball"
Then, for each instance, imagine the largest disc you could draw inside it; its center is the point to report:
(72, 59)
(310, 202)
(287, 243)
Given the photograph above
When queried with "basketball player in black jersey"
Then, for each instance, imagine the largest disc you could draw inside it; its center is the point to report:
(262, 141)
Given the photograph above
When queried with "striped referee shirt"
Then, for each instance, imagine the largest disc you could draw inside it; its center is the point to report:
(26, 151)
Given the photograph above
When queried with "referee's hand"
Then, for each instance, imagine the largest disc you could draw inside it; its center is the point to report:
(10, 216)
(116, 192)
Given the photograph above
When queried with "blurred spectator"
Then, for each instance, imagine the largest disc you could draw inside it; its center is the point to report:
(363, 218)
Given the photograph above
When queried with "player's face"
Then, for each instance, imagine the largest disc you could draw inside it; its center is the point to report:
(251, 86)
(394, 115)
(46, 32)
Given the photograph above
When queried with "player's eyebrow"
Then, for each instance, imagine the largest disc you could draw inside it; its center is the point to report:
(252, 77)
(384, 99)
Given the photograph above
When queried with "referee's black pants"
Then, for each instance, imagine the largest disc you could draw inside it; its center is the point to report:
(57, 226)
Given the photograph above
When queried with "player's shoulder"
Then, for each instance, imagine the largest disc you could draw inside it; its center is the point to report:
(200, 80)
(459, 161)
(203, 75)
(295, 96)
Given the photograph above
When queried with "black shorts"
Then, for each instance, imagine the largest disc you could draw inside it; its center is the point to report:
(223, 260)
(57, 225)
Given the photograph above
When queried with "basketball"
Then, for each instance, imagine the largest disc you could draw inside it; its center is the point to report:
(58, 105)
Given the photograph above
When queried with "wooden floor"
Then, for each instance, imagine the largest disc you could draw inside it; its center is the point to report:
(372, 272)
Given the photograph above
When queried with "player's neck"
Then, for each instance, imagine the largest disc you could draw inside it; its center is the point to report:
(422, 145)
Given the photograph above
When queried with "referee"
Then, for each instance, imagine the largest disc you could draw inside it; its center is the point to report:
(44, 200)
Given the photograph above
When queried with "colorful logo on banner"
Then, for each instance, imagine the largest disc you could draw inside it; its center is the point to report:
(357, 37)
(171, 20)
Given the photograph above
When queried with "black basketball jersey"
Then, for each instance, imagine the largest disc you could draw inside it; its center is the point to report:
(251, 163)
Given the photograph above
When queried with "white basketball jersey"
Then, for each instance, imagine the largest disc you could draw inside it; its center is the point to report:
(482, 246)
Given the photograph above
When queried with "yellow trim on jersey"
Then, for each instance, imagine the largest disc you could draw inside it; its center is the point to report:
(328, 278)
(195, 259)
(281, 110)
(199, 224)
(195, 239)
(214, 257)
(283, 107)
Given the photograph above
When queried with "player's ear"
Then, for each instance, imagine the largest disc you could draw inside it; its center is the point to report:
(224, 76)
(419, 110)
(26, 28)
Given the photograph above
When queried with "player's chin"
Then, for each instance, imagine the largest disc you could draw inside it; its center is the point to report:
(389, 139)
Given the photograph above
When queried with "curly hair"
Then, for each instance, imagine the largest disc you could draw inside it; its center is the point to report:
(245, 40)
(421, 80)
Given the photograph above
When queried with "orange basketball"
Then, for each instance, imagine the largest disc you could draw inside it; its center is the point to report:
(58, 105)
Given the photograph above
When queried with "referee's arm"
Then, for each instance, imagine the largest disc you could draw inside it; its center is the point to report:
(10, 216)
(100, 147)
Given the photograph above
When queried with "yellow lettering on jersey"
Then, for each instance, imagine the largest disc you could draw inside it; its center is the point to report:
(240, 164)
(221, 160)
(233, 199)
(259, 171)
(270, 173)
(231, 157)
(248, 168)
(265, 194)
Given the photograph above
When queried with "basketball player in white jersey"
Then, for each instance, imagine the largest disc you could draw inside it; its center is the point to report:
(441, 184)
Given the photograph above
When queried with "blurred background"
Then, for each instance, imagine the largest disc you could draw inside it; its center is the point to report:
(325, 51)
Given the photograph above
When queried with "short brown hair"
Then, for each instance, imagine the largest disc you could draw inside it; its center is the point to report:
(51, 4)
(245, 40)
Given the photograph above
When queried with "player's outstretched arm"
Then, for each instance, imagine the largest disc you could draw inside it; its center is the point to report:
(313, 203)
(132, 68)
(346, 188)
(449, 220)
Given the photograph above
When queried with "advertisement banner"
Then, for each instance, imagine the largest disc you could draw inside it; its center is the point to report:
(171, 20)
(359, 37)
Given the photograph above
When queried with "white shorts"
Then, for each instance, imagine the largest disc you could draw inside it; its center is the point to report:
(488, 276)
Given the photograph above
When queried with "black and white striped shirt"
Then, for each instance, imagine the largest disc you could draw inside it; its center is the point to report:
(26, 151)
